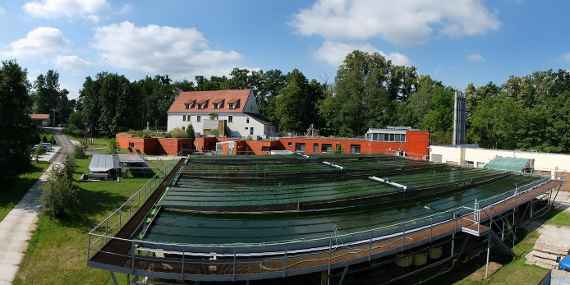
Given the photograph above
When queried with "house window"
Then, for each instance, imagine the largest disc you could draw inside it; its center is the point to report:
(198, 118)
(289, 144)
(300, 147)
(247, 120)
(183, 118)
(230, 119)
(355, 148)
(251, 131)
(187, 105)
(315, 148)
(338, 148)
(326, 147)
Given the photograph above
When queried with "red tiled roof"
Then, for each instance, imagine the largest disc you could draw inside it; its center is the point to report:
(228, 95)
(39, 116)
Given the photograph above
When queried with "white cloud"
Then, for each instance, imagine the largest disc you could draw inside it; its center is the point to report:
(71, 62)
(334, 52)
(180, 52)
(475, 57)
(42, 41)
(51, 9)
(404, 22)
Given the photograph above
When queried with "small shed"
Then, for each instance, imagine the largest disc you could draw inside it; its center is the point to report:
(518, 165)
(104, 166)
(135, 163)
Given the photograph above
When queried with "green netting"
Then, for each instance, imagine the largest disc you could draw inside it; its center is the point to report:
(518, 165)
(214, 230)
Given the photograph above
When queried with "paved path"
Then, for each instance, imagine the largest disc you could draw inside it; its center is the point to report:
(18, 226)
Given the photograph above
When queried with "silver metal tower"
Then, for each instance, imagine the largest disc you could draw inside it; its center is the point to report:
(459, 119)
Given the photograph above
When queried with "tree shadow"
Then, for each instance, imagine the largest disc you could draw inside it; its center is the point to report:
(91, 205)
(15, 187)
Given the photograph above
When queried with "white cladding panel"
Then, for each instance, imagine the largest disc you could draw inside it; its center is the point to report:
(480, 156)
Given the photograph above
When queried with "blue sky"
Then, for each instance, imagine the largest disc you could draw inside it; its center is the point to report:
(456, 42)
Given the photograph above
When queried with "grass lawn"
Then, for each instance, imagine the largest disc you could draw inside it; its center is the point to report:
(14, 188)
(100, 145)
(562, 218)
(57, 251)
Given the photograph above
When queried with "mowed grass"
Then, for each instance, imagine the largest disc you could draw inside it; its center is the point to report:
(14, 188)
(517, 271)
(57, 252)
(100, 145)
(562, 218)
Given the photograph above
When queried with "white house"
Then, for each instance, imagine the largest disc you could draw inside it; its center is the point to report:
(211, 110)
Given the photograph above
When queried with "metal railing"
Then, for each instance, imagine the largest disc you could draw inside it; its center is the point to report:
(111, 225)
(281, 257)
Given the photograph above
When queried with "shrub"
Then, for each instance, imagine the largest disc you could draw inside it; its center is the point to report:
(39, 150)
(60, 196)
(178, 133)
(112, 146)
(79, 151)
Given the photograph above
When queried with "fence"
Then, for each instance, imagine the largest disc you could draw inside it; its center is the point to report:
(276, 259)
(117, 219)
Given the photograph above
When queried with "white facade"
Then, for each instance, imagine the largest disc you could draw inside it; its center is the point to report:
(239, 124)
(469, 155)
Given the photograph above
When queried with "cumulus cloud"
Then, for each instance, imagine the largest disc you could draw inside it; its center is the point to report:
(42, 41)
(51, 9)
(71, 62)
(407, 22)
(181, 52)
(475, 57)
(334, 53)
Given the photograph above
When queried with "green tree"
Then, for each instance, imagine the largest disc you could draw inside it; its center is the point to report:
(190, 132)
(60, 197)
(367, 91)
(50, 98)
(296, 104)
(15, 123)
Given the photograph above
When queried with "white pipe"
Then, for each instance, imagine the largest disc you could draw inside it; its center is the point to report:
(398, 185)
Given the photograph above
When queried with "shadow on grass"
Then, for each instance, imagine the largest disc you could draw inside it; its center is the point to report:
(463, 269)
(91, 205)
(14, 188)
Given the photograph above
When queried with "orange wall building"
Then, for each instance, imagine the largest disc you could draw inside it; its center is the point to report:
(410, 143)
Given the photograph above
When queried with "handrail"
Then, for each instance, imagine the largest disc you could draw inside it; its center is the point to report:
(462, 210)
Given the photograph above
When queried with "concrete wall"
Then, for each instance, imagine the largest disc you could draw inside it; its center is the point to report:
(480, 156)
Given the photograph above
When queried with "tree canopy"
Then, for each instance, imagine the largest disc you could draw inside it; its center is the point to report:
(16, 128)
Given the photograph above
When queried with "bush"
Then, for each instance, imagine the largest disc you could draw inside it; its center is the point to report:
(79, 152)
(112, 146)
(60, 196)
(39, 150)
(178, 133)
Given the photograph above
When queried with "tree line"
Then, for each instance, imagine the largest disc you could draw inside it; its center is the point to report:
(530, 112)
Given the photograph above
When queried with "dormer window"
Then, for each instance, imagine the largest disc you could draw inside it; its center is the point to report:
(234, 104)
(203, 104)
(190, 104)
(219, 104)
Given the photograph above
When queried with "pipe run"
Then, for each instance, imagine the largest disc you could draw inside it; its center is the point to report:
(387, 181)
